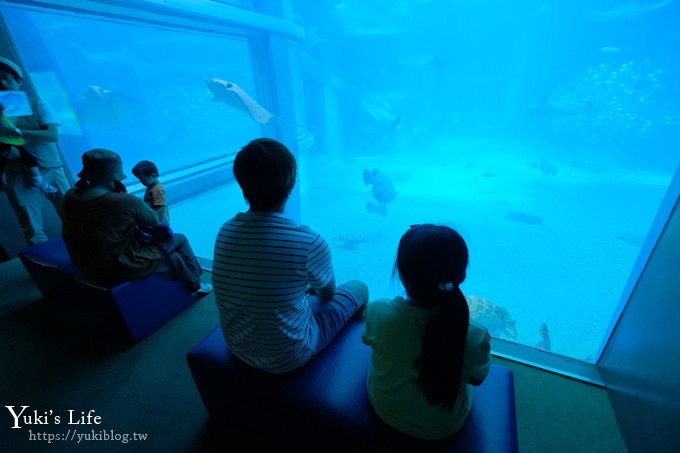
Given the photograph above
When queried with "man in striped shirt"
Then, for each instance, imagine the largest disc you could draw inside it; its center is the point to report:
(273, 279)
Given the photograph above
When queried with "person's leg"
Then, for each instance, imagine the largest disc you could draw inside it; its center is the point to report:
(332, 315)
(179, 262)
(56, 178)
(27, 205)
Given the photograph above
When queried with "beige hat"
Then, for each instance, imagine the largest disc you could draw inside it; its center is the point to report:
(102, 165)
(13, 66)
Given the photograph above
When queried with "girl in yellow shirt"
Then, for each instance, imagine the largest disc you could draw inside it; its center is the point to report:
(426, 355)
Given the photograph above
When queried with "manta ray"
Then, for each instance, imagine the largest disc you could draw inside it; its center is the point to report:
(106, 109)
(234, 96)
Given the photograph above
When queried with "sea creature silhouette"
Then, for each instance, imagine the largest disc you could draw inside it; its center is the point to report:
(545, 344)
(634, 239)
(106, 109)
(630, 9)
(521, 217)
(349, 243)
(565, 104)
(383, 190)
(494, 317)
(234, 96)
(546, 168)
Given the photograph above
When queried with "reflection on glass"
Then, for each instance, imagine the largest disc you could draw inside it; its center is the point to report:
(140, 91)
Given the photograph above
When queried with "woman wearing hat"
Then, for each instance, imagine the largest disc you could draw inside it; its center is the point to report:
(39, 134)
(99, 227)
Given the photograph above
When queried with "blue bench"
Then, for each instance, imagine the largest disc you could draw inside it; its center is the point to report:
(140, 306)
(325, 404)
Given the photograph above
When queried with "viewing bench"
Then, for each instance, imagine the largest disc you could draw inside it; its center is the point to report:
(140, 306)
(325, 404)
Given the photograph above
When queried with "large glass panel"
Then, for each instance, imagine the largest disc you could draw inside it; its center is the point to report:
(549, 149)
(545, 132)
(139, 89)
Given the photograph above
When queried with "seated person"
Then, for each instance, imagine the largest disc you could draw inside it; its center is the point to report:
(154, 196)
(274, 281)
(99, 227)
(427, 355)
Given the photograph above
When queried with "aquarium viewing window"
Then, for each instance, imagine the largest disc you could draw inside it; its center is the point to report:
(549, 151)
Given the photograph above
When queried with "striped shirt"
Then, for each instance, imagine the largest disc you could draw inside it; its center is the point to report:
(262, 265)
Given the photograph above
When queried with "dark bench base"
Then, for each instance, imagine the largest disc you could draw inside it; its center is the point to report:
(325, 404)
(139, 307)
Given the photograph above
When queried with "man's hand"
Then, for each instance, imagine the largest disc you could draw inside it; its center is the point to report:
(7, 131)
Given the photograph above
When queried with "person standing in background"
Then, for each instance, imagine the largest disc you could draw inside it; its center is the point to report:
(40, 133)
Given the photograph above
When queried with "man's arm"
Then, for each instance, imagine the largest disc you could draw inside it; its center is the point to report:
(49, 134)
(328, 291)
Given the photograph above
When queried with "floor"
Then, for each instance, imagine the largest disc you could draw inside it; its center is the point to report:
(56, 361)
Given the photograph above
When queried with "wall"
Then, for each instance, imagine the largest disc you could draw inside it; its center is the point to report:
(641, 362)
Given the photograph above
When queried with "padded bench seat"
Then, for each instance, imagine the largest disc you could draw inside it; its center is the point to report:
(140, 306)
(325, 404)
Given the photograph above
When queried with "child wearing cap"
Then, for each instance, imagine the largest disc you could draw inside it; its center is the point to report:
(154, 196)
(99, 221)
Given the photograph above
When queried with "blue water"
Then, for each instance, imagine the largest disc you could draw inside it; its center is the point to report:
(545, 133)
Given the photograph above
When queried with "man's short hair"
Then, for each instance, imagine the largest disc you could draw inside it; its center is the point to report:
(265, 170)
(145, 168)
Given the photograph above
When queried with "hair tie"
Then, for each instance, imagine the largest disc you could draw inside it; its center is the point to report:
(446, 287)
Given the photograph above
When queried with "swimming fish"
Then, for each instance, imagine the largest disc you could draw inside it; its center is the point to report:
(634, 239)
(234, 96)
(373, 115)
(630, 9)
(106, 109)
(545, 344)
(421, 61)
(383, 190)
(521, 217)
(546, 168)
(376, 208)
(567, 104)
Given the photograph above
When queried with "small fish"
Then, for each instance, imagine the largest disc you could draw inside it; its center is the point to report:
(434, 61)
(567, 104)
(521, 217)
(634, 239)
(489, 174)
(544, 167)
(234, 96)
(349, 243)
(545, 344)
(609, 49)
(376, 208)
(107, 109)
(548, 169)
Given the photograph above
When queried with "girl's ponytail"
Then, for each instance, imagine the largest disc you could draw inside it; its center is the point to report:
(440, 363)
(431, 263)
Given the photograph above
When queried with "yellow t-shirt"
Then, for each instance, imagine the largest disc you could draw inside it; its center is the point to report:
(393, 329)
